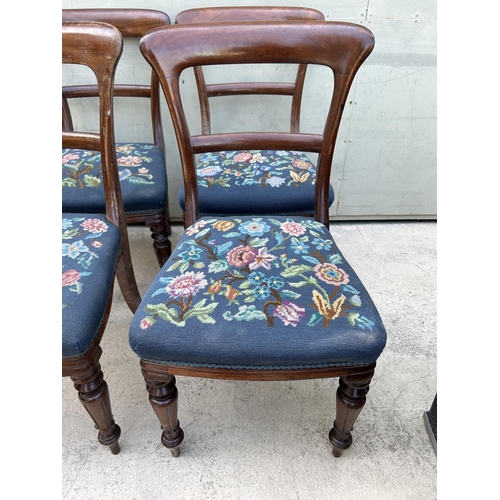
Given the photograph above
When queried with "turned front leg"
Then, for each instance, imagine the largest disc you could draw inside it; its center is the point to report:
(94, 395)
(163, 398)
(351, 397)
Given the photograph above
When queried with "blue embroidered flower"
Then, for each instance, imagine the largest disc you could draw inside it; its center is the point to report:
(256, 278)
(192, 253)
(73, 250)
(254, 228)
(67, 223)
(123, 174)
(321, 244)
(262, 291)
(275, 282)
(299, 247)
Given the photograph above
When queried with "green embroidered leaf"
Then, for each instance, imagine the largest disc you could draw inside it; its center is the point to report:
(258, 242)
(223, 182)
(295, 270)
(67, 235)
(184, 267)
(232, 234)
(206, 319)
(91, 181)
(289, 294)
(69, 182)
(175, 265)
(200, 309)
(138, 180)
(250, 298)
(245, 285)
(298, 284)
(199, 265)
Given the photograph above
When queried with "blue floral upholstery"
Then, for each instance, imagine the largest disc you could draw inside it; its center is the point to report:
(256, 182)
(235, 289)
(143, 179)
(90, 246)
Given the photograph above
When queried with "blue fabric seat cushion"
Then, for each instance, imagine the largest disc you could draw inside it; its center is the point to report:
(90, 247)
(143, 179)
(257, 292)
(255, 182)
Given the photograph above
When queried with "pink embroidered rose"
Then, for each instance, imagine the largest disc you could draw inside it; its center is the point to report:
(68, 157)
(96, 244)
(240, 256)
(146, 323)
(289, 313)
(94, 226)
(186, 284)
(331, 274)
(304, 165)
(129, 161)
(293, 228)
(70, 277)
(243, 157)
(143, 170)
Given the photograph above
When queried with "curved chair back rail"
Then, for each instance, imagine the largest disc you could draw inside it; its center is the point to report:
(249, 14)
(145, 199)
(341, 46)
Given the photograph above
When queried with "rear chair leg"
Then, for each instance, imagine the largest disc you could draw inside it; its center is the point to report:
(351, 397)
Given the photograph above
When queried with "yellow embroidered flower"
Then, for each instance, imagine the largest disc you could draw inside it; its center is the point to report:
(327, 310)
(223, 225)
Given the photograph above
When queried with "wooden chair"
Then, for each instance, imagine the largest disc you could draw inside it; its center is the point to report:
(257, 297)
(259, 181)
(95, 246)
(142, 165)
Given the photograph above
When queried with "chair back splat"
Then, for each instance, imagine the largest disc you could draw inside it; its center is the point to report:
(142, 164)
(95, 246)
(254, 296)
(287, 176)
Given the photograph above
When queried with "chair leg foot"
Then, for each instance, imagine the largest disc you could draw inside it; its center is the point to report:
(163, 397)
(94, 396)
(351, 398)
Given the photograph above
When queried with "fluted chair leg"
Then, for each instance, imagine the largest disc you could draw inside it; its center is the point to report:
(351, 398)
(163, 397)
(94, 395)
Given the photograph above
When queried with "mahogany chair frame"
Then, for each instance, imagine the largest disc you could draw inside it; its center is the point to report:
(131, 23)
(99, 46)
(341, 46)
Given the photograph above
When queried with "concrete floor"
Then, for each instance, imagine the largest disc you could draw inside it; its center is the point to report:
(269, 440)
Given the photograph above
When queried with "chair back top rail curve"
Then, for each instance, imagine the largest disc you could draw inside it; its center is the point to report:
(249, 14)
(98, 46)
(341, 46)
(131, 23)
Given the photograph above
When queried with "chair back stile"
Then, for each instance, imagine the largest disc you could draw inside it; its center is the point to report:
(142, 164)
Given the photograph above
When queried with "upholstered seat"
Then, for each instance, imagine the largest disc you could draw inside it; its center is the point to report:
(243, 182)
(143, 179)
(90, 247)
(257, 293)
(255, 182)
